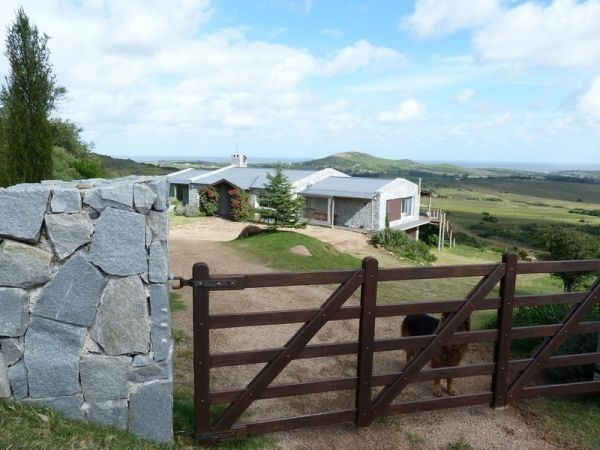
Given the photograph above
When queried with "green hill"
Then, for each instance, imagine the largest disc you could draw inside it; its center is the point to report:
(117, 167)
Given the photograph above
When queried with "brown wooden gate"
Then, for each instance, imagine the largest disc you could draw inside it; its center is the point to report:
(510, 378)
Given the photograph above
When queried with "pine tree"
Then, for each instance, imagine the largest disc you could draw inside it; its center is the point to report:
(27, 99)
(279, 207)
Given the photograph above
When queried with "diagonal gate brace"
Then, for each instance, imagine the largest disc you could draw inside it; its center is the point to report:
(542, 355)
(293, 347)
(412, 368)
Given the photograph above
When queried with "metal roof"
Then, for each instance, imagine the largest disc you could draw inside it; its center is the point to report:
(350, 187)
(185, 177)
(250, 178)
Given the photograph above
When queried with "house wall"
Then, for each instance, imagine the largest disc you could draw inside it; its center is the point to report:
(84, 302)
(399, 188)
(353, 212)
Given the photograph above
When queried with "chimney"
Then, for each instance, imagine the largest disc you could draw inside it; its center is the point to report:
(239, 160)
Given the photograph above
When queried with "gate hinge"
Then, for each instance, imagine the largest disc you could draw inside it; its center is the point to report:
(219, 284)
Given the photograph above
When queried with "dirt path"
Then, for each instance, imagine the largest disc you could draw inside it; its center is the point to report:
(481, 427)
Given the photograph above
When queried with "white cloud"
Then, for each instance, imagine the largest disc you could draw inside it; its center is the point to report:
(588, 102)
(332, 32)
(410, 109)
(362, 55)
(565, 33)
(465, 95)
(439, 17)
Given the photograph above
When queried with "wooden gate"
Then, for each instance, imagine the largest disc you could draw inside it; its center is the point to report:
(510, 378)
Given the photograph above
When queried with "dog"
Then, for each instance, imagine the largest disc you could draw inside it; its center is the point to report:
(447, 356)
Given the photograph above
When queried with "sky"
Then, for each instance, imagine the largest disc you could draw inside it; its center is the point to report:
(452, 80)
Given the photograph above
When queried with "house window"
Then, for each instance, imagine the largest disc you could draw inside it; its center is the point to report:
(407, 206)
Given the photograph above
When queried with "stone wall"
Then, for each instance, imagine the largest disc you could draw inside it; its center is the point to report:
(84, 302)
(354, 213)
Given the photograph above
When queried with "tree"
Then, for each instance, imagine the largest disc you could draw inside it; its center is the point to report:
(279, 207)
(27, 99)
(564, 243)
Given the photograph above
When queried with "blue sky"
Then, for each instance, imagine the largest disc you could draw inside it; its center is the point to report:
(489, 80)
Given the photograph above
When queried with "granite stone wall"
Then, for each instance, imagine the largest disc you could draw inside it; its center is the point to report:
(84, 302)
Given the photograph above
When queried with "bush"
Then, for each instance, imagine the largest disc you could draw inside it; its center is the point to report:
(208, 201)
(400, 244)
(241, 210)
(187, 211)
(174, 201)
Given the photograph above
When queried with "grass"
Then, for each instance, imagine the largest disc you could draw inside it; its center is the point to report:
(461, 444)
(175, 220)
(176, 303)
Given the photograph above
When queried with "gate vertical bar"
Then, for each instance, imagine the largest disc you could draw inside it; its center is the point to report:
(201, 352)
(500, 381)
(368, 302)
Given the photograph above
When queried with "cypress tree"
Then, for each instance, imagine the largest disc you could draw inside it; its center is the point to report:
(281, 208)
(27, 99)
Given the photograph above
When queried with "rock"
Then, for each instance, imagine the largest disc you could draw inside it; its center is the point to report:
(14, 312)
(23, 265)
(142, 360)
(161, 341)
(159, 225)
(159, 303)
(158, 262)
(93, 198)
(12, 350)
(118, 245)
(66, 201)
(111, 413)
(104, 377)
(68, 232)
(23, 210)
(70, 407)
(73, 294)
(300, 250)
(90, 346)
(4, 381)
(162, 191)
(52, 358)
(118, 195)
(250, 230)
(121, 325)
(151, 410)
(143, 197)
(151, 372)
(17, 375)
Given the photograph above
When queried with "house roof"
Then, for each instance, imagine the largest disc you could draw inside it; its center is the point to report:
(249, 178)
(185, 176)
(349, 187)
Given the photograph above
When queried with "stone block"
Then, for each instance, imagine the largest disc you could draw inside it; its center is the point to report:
(66, 200)
(118, 195)
(118, 245)
(158, 262)
(159, 303)
(4, 381)
(14, 312)
(52, 358)
(122, 322)
(104, 377)
(151, 409)
(142, 360)
(93, 198)
(12, 350)
(70, 407)
(68, 232)
(23, 210)
(17, 375)
(162, 191)
(158, 221)
(154, 371)
(111, 413)
(143, 197)
(23, 265)
(73, 294)
(161, 341)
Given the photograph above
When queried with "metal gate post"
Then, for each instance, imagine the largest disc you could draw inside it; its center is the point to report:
(366, 337)
(201, 353)
(500, 381)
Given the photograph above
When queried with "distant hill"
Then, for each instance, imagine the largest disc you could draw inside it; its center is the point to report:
(117, 167)
(356, 163)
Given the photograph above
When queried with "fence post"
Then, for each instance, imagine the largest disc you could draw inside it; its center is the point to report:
(366, 337)
(500, 381)
(201, 352)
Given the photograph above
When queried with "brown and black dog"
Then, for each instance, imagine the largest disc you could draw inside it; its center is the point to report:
(447, 356)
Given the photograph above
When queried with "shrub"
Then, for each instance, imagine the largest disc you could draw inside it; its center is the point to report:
(280, 208)
(400, 244)
(187, 211)
(208, 201)
(241, 210)
(174, 201)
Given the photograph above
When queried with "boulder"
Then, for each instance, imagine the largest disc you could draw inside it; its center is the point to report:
(52, 358)
(104, 377)
(68, 232)
(118, 245)
(66, 200)
(158, 262)
(143, 197)
(14, 312)
(110, 413)
(73, 294)
(151, 410)
(23, 209)
(122, 322)
(23, 265)
(250, 230)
